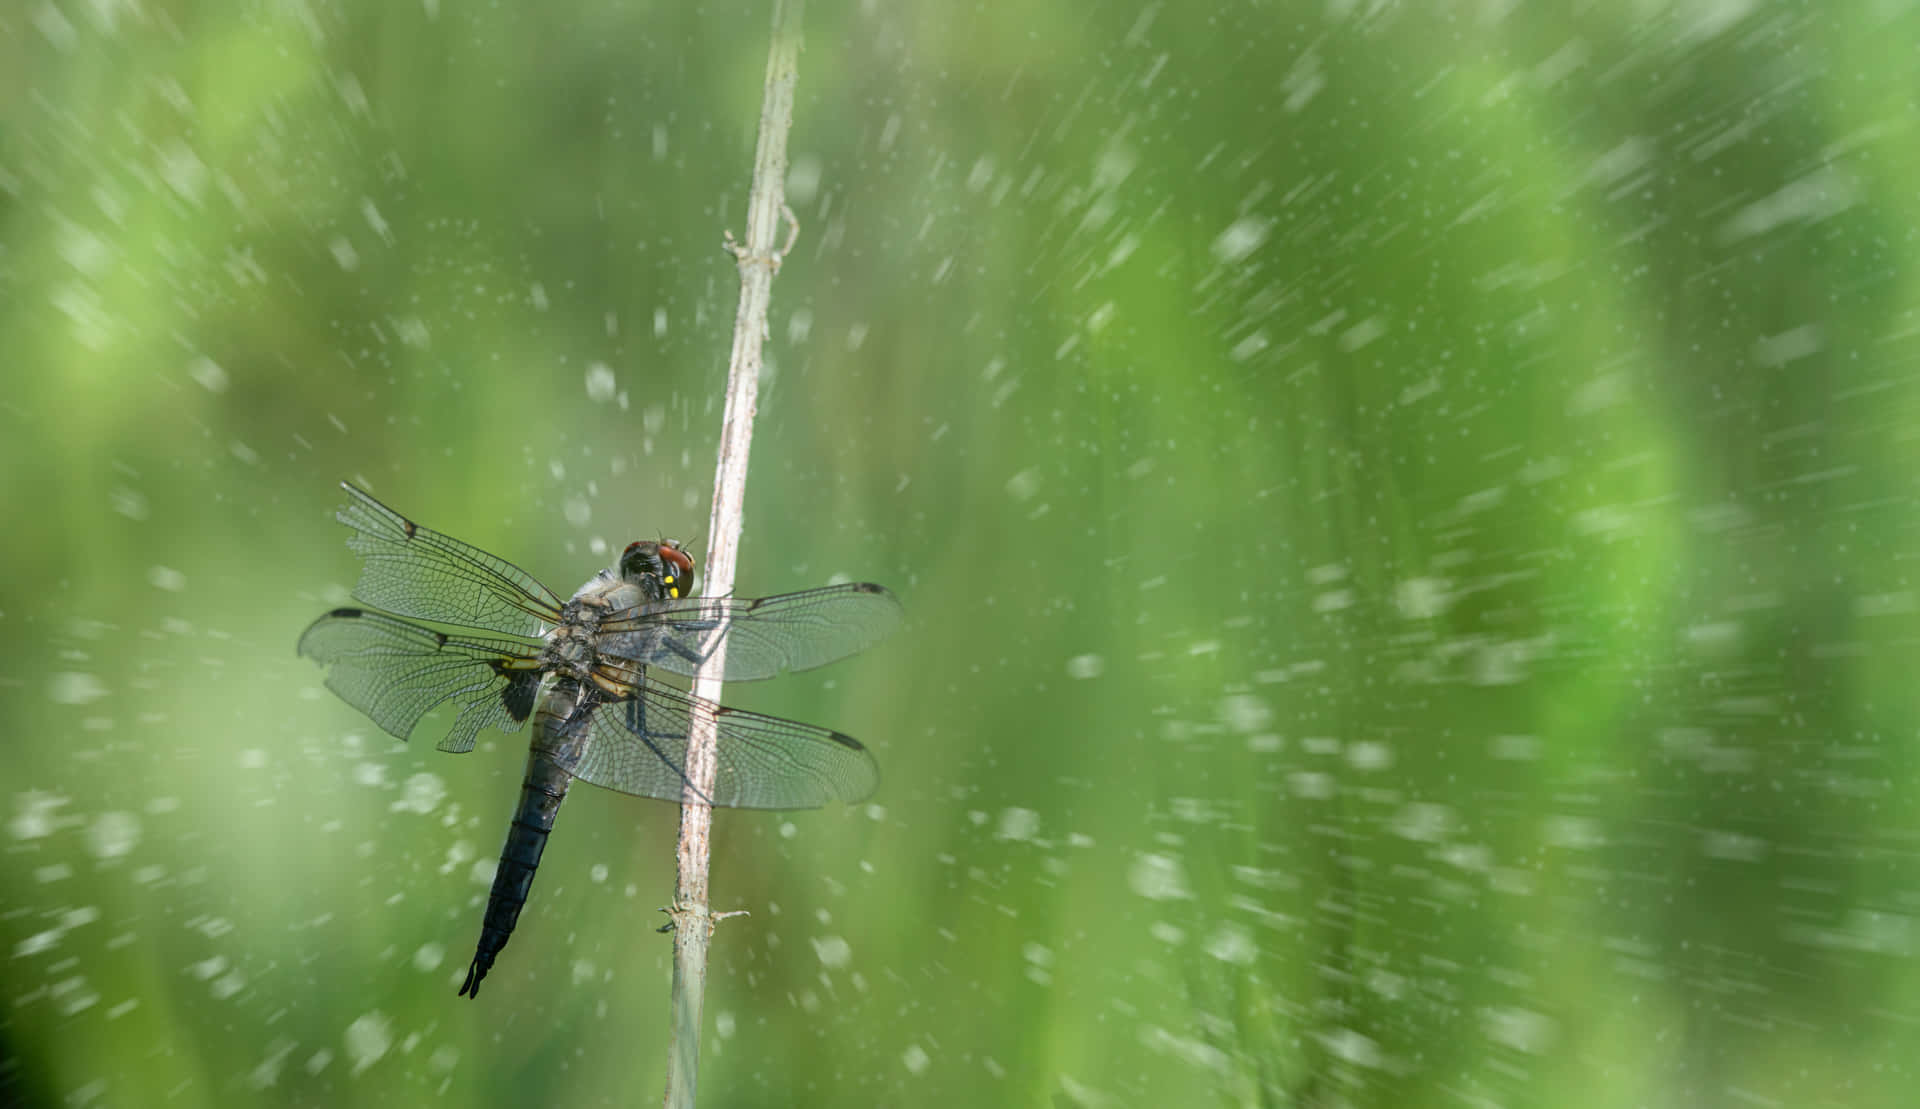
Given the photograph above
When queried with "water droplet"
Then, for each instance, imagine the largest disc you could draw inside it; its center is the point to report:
(1159, 878)
(113, 834)
(601, 384)
(1086, 666)
(72, 688)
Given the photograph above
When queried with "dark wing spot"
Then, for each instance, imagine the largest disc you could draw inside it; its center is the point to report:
(518, 694)
(407, 526)
(845, 740)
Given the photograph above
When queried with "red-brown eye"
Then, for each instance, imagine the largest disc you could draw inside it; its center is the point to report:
(676, 569)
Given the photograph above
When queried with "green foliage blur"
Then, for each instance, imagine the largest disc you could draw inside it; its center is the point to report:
(1406, 514)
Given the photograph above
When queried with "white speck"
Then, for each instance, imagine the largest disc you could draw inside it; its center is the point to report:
(1250, 347)
(73, 688)
(267, 1072)
(372, 774)
(1083, 667)
(1575, 832)
(1362, 333)
(1736, 846)
(1018, 824)
(1819, 195)
(36, 943)
(1788, 346)
(1241, 238)
(1333, 600)
(73, 995)
(1369, 755)
(128, 503)
(113, 834)
(208, 374)
(1189, 1050)
(1159, 878)
(1500, 663)
(422, 793)
(1423, 822)
(1023, 485)
(1630, 157)
(1037, 954)
(833, 951)
(1352, 1047)
(1168, 933)
(915, 1059)
(723, 1024)
(583, 971)
(82, 249)
(538, 297)
(601, 384)
(1707, 19)
(1326, 574)
(1232, 943)
(1245, 713)
(597, 873)
(368, 1039)
(343, 253)
(803, 179)
(253, 758)
(1520, 1029)
(1421, 598)
(1519, 748)
(429, 957)
(1303, 81)
(1312, 785)
(183, 171)
(167, 578)
(54, 24)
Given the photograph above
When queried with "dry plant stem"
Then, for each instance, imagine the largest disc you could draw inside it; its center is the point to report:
(692, 918)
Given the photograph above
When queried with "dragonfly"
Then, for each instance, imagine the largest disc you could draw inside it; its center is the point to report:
(577, 668)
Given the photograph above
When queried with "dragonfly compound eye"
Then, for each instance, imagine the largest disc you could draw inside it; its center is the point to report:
(676, 570)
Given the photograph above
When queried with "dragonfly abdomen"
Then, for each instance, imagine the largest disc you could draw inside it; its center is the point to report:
(540, 796)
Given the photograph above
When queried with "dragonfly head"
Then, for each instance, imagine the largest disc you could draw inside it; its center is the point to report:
(660, 568)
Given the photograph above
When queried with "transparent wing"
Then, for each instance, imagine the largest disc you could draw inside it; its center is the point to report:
(396, 672)
(764, 636)
(416, 571)
(639, 746)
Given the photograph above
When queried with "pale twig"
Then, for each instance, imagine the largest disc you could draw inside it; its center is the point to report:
(757, 259)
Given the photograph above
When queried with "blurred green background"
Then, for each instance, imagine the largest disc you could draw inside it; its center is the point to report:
(1405, 512)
